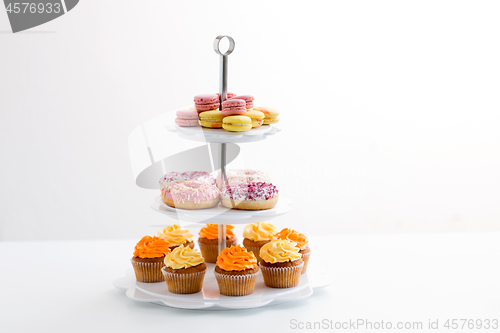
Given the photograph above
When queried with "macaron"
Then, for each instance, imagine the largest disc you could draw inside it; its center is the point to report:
(270, 113)
(228, 95)
(237, 123)
(233, 107)
(186, 118)
(247, 98)
(256, 116)
(211, 119)
(206, 102)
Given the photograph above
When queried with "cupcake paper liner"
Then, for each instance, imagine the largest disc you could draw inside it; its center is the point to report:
(281, 277)
(236, 285)
(149, 272)
(209, 252)
(305, 257)
(255, 250)
(189, 283)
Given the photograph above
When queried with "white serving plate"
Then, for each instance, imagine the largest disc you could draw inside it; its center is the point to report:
(219, 135)
(222, 215)
(210, 299)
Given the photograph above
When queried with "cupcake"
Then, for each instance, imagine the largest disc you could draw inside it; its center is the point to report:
(184, 270)
(302, 244)
(256, 235)
(176, 236)
(281, 263)
(209, 241)
(236, 271)
(148, 258)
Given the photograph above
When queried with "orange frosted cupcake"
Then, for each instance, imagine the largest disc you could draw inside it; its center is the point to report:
(148, 258)
(256, 235)
(176, 236)
(236, 271)
(301, 241)
(209, 241)
(281, 264)
(184, 270)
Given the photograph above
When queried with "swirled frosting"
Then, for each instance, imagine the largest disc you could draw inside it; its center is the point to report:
(250, 191)
(293, 236)
(175, 235)
(183, 257)
(211, 231)
(260, 231)
(190, 190)
(280, 250)
(151, 247)
(236, 258)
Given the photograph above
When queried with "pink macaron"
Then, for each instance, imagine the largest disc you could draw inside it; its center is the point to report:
(247, 98)
(228, 95)
(186, 118)
(206, 102)
(233, 107)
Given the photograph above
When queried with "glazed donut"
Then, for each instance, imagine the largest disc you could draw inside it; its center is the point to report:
(175, 177)
(238, 176)
(250, 196)
(190, 194)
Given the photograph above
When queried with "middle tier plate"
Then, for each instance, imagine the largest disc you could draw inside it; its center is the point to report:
(222, 215)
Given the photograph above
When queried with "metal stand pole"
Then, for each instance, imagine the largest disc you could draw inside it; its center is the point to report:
(223, 97)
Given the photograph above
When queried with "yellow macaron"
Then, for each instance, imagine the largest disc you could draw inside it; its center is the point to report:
(270, 113)
(211, 119)
(237, 123)
(256, 116)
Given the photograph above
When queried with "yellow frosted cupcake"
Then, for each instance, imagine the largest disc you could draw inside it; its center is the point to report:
(236, 271)
(281, 264)
(302, 243)
(256, 235)
(184, 270)
(148, 258)
(176, 236)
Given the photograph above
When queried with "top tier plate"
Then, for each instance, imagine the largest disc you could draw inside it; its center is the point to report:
(222, 136)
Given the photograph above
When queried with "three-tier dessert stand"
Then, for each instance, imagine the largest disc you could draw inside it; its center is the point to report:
(209, 298)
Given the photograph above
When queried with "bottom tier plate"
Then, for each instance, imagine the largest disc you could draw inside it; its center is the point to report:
(210, 299)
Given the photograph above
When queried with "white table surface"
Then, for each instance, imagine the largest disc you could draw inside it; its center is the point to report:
(67, 286)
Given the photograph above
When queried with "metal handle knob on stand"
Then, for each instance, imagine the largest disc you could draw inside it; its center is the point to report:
(222, 98)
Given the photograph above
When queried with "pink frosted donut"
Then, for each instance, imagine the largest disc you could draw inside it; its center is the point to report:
(175, 177)
(237, 176)
(250, 196)
(190, 194)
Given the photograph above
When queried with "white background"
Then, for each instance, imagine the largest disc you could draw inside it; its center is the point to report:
(390, 111)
